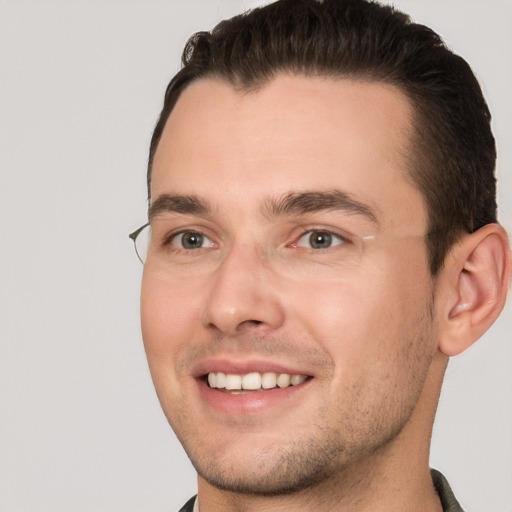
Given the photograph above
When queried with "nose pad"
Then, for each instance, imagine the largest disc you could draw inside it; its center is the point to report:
(242, 297)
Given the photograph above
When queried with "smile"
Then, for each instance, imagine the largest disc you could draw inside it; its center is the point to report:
(246, 388)
(253, 381)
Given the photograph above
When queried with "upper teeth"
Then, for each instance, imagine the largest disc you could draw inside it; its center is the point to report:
(254, 380)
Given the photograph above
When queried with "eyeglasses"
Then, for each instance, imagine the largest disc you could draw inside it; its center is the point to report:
(141, 239)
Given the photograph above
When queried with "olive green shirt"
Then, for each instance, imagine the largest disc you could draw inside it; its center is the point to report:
(448, 500)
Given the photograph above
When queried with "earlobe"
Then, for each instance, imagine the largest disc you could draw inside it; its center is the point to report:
(475, 283)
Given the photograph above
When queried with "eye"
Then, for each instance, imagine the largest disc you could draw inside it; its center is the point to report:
(320, 240)
(191, 240)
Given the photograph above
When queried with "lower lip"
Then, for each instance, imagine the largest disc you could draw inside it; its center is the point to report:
(252, 402)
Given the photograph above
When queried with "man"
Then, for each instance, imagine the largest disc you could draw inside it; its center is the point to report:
(323, 238)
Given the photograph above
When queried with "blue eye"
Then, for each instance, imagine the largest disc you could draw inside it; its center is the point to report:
(320, 240)
(191, 240)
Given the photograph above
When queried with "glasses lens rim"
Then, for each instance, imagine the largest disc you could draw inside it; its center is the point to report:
(137, 240)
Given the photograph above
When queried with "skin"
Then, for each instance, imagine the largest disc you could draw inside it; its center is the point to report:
(356, 435)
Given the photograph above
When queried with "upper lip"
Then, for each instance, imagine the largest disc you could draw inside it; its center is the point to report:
(241, 367)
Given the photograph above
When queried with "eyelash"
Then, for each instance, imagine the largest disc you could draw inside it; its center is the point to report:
(335, 238)
(170, 240)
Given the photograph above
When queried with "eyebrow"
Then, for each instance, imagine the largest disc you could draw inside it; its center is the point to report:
(302, 203)
(171, 203)
(292, 203)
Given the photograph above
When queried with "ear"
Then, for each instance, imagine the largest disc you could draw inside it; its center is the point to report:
(472, 288)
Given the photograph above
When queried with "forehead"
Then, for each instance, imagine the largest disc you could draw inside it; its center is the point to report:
(293, 134)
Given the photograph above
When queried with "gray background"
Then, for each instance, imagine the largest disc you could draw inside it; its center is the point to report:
(81, 83)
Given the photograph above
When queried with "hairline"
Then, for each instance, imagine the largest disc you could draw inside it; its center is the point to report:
(257, 85)
(416, 156)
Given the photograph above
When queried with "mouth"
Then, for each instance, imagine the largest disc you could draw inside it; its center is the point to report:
(245, 388)
(252, 382)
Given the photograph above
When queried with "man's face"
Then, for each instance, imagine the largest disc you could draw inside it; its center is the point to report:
(287, 243)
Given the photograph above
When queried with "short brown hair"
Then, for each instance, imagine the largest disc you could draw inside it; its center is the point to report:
(453, 149)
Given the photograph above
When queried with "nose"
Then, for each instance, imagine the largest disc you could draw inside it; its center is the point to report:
(243, 295)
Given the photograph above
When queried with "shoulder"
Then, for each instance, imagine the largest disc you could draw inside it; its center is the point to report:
(189, 506)
(448, 500)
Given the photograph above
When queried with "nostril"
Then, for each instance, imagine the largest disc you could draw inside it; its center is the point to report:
(246, 324)
(249, 323)
(230, 309)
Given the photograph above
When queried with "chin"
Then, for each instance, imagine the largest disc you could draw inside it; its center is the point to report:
(276, 468)
(271, 477)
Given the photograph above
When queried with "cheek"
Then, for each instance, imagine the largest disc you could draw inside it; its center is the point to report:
(342, 317)
(367, 317)
(168, 316)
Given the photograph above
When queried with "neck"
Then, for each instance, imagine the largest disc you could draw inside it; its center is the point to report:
(396, 477)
